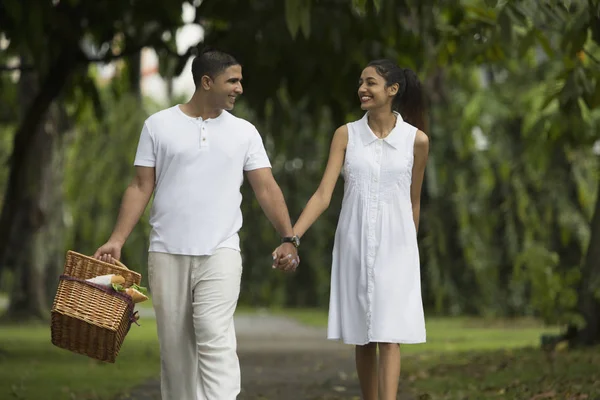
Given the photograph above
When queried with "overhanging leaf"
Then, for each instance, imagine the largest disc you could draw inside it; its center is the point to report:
(359, 5)
(544, 42)
(377, 4)
(505, 24)
(291, 16)
(305, 18)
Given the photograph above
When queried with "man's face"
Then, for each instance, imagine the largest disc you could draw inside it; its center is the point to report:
(226, 87)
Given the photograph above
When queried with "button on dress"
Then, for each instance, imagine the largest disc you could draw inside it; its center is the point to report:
(375, 279)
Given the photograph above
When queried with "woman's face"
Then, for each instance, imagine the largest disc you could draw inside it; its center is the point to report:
(372, 92)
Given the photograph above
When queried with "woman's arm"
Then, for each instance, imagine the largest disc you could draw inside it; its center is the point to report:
(421, 152)
(319, 201)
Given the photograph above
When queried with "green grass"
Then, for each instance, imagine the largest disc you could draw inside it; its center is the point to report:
(524, 373)
(453, 334)
(32, 368)
(467, 334)
(145, 304)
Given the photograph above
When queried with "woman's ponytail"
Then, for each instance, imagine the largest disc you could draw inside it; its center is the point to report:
(409, 100)
(411, 104)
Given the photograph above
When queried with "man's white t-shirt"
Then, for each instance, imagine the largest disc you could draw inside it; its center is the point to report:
(199, 168)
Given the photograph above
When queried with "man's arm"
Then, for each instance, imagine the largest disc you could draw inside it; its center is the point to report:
(136, 198)
(269, 196)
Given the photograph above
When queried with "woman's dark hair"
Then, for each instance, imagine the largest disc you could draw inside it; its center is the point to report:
(409, 101)
(211, 62)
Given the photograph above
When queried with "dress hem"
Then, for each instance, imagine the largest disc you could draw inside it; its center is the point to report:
(362, 343)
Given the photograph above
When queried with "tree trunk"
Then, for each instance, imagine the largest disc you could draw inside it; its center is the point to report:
(28, 296)
(31, 198)
(19, 210)
(50, 241)
(134, 74)
(39, 260)
(589, 303)
(169, 80)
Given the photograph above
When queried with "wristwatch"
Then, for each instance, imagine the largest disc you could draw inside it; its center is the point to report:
(295, 240)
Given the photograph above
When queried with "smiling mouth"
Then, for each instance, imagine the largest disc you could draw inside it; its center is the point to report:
(364, 99)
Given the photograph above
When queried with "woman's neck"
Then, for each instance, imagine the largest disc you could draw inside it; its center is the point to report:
(381, 122)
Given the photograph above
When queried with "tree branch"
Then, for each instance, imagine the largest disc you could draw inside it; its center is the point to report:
(108, 57)
(112, 57)
(104, 59)
(22, 68)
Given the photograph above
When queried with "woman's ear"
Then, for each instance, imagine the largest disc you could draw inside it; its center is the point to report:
(393, 89)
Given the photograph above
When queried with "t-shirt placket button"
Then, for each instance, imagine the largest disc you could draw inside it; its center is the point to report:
(203, 140)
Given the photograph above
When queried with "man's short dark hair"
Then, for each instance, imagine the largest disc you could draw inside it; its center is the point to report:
(211, 62)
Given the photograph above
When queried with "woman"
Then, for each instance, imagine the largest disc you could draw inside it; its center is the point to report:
(375, 300)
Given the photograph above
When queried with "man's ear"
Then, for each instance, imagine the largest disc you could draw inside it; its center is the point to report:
(206, 82)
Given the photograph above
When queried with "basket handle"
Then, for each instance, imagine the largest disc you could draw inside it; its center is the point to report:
(120, 264)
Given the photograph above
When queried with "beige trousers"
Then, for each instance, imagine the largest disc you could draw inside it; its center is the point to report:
(194, 300)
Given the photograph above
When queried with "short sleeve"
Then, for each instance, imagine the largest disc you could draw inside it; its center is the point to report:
(256, 157)
(145, 156)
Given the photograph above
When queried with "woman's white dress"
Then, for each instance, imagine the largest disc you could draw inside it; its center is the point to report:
(375, 279)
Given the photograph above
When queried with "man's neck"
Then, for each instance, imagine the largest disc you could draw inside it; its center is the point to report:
(198, 107)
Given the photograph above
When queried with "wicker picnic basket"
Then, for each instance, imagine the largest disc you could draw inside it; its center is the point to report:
(87, 318)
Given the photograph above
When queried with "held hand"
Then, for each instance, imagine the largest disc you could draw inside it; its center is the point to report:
(109, 252)
(285, 257)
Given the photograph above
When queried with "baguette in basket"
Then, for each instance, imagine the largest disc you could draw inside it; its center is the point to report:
(137, 293)
(107, 280)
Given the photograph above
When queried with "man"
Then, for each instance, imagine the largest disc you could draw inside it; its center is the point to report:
(192, 157)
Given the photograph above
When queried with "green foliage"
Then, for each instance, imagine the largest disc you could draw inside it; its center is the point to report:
(297, 16)
(99, 168)
(41, 29)
(514, 95)
(522, 203)
(511, 205)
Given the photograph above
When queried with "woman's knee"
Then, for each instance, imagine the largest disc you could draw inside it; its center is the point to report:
(383, 347)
